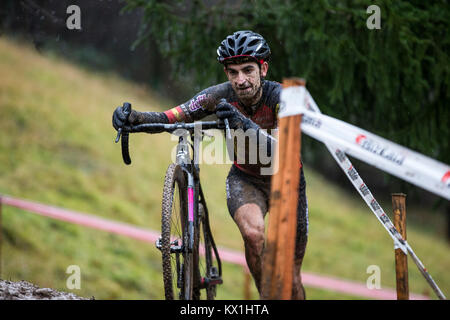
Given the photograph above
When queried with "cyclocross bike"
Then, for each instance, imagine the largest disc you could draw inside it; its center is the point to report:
(190, 258)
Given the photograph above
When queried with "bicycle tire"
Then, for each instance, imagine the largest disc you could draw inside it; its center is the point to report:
(205, 260)
(178, 268)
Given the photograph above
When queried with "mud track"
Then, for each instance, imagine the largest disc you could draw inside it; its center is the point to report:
(23, 290)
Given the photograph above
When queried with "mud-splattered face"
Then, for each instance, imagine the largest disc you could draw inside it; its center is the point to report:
(245, 78)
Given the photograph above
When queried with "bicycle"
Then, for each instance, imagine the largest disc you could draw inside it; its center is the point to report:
(185, 228)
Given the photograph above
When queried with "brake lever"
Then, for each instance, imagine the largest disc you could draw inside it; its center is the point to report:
(227, 128)
(119, 132)
(125, 135)
(227, 124)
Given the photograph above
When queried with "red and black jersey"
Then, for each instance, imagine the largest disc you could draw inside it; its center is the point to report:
(264, 113)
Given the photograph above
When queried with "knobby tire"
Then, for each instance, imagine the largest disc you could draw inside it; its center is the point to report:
(178, 278)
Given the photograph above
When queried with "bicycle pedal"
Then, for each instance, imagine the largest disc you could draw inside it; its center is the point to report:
(175, 248)
(214, 272)
(207, 282)
(213, 279)
(216, 281)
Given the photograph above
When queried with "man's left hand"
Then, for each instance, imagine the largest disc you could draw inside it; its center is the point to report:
(236, 119)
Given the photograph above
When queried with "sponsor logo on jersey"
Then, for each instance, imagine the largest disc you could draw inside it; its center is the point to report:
(196, 103)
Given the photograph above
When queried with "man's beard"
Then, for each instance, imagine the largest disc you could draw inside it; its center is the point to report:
(248, 93)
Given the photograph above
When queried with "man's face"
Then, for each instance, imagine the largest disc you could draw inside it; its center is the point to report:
(245, 78)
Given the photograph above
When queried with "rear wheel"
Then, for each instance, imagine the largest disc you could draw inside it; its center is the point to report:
(177, 261)
(205, 265)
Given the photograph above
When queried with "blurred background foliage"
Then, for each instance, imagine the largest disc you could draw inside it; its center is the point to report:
(393, 81)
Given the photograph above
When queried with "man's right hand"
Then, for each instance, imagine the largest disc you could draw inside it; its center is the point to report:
(137, 118)
(119, 118)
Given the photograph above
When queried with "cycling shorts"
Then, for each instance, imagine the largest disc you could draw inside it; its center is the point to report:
(243, 188)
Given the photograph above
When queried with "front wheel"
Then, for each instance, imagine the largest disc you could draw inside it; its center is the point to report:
(177, 261)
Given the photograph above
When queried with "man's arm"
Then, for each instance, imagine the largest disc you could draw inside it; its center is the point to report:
(200, 106)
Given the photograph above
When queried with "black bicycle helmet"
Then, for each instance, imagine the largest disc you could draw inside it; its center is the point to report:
(242, 45)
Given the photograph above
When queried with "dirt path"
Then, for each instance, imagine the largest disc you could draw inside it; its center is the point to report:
(24, 290)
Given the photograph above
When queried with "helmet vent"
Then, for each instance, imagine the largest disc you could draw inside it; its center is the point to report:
(253, 42)
(244, 43)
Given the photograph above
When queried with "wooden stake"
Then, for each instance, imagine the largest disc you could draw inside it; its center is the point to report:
(247, 282)
(1, 236)
(401, 259)
(278, 260)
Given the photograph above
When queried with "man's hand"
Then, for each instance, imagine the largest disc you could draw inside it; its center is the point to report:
(119, 118)
(237, 120)
(137, 118)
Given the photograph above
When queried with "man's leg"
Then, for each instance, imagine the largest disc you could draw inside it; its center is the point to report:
(301, 239)
(298, 292)
(247, 204)
(250, 221)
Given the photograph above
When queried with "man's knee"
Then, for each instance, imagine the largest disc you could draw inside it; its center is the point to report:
(254, 237)
(250, 221)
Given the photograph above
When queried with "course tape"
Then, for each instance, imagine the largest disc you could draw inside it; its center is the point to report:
(406, 164)
(297, 100)
(228, 255)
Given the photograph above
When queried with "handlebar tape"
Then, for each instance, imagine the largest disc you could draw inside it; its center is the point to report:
(125, 149)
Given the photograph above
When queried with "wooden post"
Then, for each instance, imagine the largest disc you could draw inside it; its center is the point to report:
(401, 259)
(278, 259)
(1, 235)
(247, 283)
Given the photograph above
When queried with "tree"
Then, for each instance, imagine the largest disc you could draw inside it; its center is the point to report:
(392, 81)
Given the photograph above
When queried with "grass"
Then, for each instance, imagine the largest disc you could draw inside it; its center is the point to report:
(57, 148)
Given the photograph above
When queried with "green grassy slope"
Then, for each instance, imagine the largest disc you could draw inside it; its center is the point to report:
(57, 148)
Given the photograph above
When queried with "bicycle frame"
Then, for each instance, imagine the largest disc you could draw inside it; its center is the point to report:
(195, 195)
(192, 169)
(184, 160)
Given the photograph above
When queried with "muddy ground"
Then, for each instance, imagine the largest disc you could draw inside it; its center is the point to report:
(23, 290)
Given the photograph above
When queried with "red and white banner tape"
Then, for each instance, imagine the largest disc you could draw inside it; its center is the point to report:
(341, 138)
(386, 155)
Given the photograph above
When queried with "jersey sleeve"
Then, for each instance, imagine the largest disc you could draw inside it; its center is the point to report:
(273, 96)
(201, 105)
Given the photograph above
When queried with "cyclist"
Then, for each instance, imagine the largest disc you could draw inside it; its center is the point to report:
(251, 104)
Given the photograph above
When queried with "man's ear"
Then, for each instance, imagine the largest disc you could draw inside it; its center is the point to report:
(264, 68)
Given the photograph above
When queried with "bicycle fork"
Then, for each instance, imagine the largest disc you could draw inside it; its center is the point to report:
(183, 159)
(190, 212)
